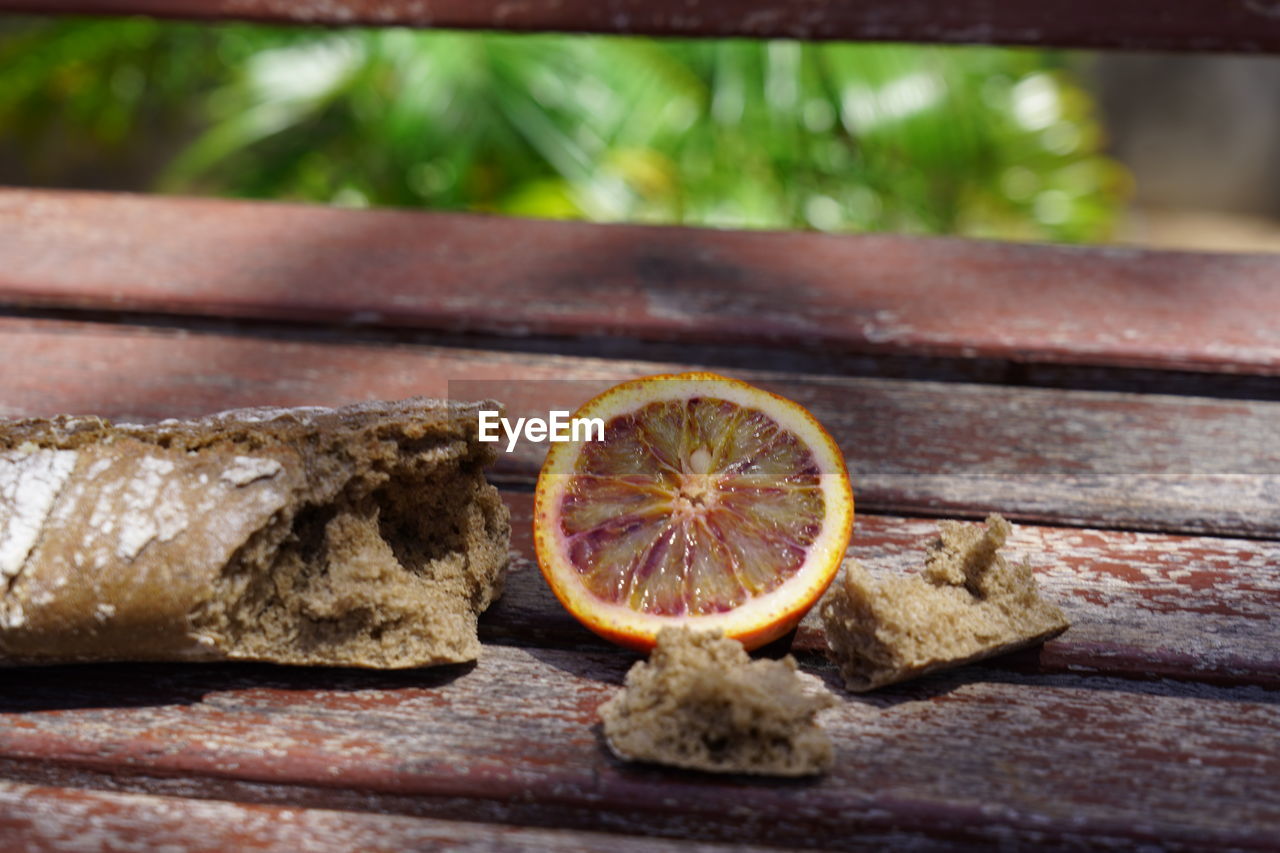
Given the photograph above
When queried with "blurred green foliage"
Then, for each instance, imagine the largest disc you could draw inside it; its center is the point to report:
(780, 134)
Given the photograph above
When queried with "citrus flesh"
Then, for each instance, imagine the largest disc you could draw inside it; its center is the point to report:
(708, 503)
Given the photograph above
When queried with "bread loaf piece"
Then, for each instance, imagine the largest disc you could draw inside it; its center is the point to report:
(362, 536)
(700, 702)
(968, 603)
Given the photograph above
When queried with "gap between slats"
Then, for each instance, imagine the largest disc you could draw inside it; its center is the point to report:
(710, 356)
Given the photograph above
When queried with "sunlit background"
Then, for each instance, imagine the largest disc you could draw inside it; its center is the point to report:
(983, 142)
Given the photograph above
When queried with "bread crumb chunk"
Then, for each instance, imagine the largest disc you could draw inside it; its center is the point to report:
(969, 603)
(700, 702)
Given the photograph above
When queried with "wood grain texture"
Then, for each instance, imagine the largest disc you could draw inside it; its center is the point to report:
(1140, 605)
(1103, 459)
(1052, 760)
(43, 818)
(1246, 25)
(867, 294)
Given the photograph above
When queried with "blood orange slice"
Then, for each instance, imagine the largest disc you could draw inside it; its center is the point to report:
(708, 502)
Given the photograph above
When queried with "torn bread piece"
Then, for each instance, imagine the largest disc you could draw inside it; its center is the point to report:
(700, 702)
(361, 536)
(968, 603)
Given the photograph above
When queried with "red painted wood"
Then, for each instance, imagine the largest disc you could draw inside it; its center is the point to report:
(1141, 605)
(460, 273)
(1249, 25)
(1056, 759)
(42, 818)
(961, 757)
(1161, 463)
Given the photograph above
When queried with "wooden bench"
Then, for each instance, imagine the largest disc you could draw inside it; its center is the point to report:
(1121, 404)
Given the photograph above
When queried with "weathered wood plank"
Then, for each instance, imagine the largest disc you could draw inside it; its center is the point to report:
(1053, 760)
(1135, 25)
(41, 818)
(1151, 462)
(1140, 605)
(872, 294)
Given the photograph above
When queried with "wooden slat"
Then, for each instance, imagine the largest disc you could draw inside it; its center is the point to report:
(1159, 463)
(1140, 605)
(1136, 25)
(785, 291)
(41, 818)
(1056, 760)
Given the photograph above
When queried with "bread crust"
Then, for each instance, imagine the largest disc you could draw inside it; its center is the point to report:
(359, 536)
